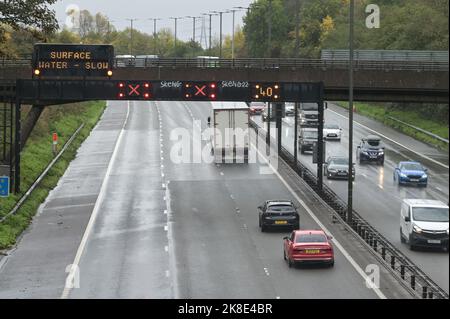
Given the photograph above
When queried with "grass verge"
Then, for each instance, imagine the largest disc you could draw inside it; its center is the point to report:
(37, 154)
(381, 114)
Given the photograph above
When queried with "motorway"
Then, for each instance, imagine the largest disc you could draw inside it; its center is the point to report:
(376, 197)
(139, 224)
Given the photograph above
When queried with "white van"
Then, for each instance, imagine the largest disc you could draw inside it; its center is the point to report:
(424, 222)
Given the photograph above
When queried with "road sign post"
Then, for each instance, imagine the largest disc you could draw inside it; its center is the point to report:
(4, 186)
(55, 143)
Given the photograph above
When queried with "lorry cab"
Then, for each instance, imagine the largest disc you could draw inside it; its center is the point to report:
(309, 115)
(424, 222)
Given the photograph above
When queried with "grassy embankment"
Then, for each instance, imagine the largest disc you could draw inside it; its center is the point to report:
(380, 113)
(37, 154)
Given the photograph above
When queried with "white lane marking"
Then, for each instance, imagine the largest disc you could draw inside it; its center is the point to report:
(163, 185)
(166, 228)
(167, 273)
(100, 198)
(221, 173)
(68, 206)
(165, 212)
(166, 249)
(389, 139)
(322, 226)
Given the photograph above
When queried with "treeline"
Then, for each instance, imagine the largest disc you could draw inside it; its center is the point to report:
(98, 29)
(323, 24)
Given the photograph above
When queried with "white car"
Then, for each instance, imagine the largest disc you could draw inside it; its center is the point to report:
(289, 109)
(332, 132)
(424, 222)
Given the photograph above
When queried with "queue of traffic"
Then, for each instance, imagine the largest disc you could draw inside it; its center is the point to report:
(423, 222)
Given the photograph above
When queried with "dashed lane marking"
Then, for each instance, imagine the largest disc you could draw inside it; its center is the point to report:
(344, 252)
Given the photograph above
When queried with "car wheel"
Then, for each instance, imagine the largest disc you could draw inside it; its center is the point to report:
(284, 255)
(360, 161)
(289, 262)
(402, 239)
(263, 228)
(331, 263)
(411, 246)
(297, 226)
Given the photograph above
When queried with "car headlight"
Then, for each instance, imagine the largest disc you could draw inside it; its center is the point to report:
(332, 170)
(424, 176)
(417, 229)
(365, 153)
(402, 174)
(447, 231)
(381, 153)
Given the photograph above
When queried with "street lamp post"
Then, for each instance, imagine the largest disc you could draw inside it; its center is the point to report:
(350, 118)
(232, 34)
(154, 32)
(175, 33)
(131, 35)
(210, 28)
(269, 37)
(248, 14)
(297, 28)
(220, 35)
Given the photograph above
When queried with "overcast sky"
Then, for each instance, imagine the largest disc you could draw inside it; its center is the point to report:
(142, 10)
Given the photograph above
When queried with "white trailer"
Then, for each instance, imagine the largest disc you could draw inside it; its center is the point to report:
(230, 132)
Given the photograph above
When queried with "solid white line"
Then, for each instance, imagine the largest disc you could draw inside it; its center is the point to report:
(95, 211)
(389, 139)
(322, 226)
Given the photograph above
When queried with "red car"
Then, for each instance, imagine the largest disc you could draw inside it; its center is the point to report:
(313, 246)
(256, 108)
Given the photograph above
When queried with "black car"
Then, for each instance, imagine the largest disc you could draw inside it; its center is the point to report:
(370, 150)
(337, 167)
(307, 138)
(278, 213)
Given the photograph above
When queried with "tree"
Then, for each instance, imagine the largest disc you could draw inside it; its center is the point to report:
(256, 28)
(34, 16)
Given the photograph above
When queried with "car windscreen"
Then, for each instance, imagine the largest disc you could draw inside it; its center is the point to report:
(412, 167)
(374, 143)
(280, 208)
(430, 214)
(311, 134)
(309, 106)
(332, 126)
(311, 238)
(339, 161)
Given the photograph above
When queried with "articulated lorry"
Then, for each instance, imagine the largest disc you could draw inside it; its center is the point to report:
(230, 136)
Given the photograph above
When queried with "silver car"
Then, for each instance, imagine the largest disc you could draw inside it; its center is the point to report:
(337, 167)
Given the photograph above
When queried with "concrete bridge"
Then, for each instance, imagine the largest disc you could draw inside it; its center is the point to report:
(375, 81)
